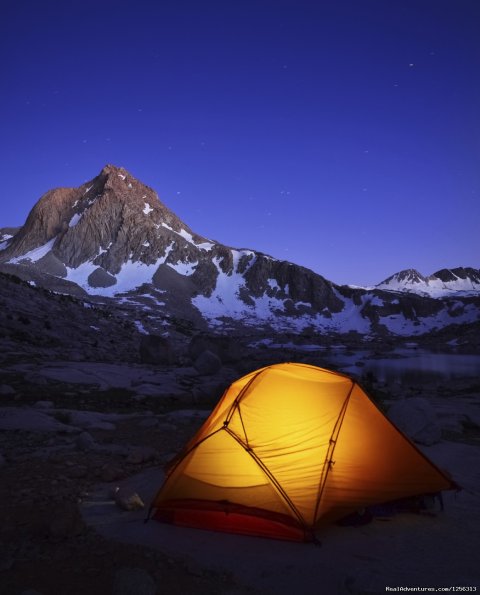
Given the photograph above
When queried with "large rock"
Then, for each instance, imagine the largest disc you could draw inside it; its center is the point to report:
(156, 350)
(128, 500)
(101, 278)
(227, 349)
(111, 472)
(417, 419)
(85, 441)
(207, 363)
(141, 454)
(51, 265)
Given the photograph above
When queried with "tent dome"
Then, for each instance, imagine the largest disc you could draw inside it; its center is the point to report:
(288, 448)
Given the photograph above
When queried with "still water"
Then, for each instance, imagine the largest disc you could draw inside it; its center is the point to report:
(406, 365)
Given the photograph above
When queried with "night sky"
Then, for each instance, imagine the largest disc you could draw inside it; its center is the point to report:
(340, 135)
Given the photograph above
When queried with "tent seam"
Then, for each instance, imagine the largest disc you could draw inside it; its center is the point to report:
(270, 476)
(329, 462)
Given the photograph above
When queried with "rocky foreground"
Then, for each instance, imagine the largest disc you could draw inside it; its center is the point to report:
(69, 426)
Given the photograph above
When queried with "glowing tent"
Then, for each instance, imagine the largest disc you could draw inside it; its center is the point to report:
(288, 448)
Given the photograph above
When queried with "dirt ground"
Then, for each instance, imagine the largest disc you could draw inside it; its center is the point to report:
(45, 544)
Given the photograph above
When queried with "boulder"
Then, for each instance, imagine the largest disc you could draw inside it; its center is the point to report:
(227, 349)
(207, 363)
(417, 419)
(128, 500)
(156, 350)
(141, 454)
(85, 441)
(111, 472)
(101, 278)
(207, 393)
(52, 265)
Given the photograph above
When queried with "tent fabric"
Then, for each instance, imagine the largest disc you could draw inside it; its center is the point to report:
(288, 448)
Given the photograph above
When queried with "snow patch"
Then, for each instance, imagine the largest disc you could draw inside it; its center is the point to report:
(273, 284)
(140, 328)
(75, 219)
(376, 301)
(35, 254)
(121, 176)
(131, 275)
(147, 209)
(187, 236)
(226, 301)
(103, 250)
(184, 268)
(399, 325)
(207, 246)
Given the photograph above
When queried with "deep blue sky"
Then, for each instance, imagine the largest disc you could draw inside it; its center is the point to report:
(340, 135)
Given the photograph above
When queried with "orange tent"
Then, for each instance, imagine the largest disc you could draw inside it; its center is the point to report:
(287, 448)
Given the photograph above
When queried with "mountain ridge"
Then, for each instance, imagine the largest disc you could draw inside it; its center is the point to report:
(113, 238)
(442, 282)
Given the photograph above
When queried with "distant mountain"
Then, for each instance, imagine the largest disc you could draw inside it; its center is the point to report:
(111, 240)
(446, 282)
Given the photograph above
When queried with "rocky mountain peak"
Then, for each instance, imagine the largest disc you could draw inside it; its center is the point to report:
(443, 282)
(109, 220)
(458, 273)
(405, 277)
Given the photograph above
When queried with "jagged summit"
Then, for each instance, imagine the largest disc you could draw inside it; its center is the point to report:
(110, 220)
(405, 277)
(467, 274)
